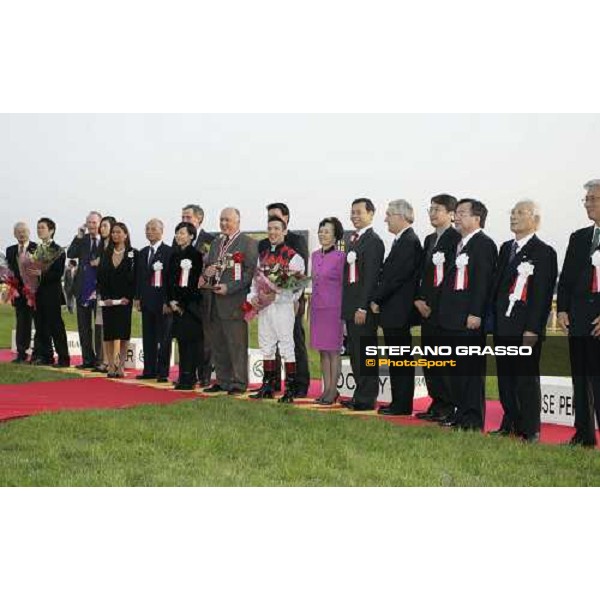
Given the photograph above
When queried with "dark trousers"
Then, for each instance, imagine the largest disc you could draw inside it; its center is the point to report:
(24, 318)
(302, 368)
(51, 328)
(436, 378)
(87, 339)
(519, 387)
(367, 386)
(402, 379)
(467, 379)
(584, 352)
(188, 361)
(156, 341)
(205, 369)
(229, 343)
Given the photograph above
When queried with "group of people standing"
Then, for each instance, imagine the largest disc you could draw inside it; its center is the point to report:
(456, 285)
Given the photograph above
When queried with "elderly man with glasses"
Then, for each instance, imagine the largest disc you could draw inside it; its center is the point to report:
(579, 316)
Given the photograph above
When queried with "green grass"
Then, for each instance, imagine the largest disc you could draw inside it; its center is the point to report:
(10, 373)
(224, 442)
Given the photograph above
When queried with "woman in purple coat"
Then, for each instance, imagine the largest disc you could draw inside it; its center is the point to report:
(326, 325)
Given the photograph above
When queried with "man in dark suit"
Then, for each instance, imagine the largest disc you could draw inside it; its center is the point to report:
(194, 214)
(393, 300)
(361, 277)
(231, 264)
(86, 248)
(439, 255)
(299, 244)
(463, 305)
(527, 267)
(579, 316)
(23, 312)
(151, 280)
(50, 300)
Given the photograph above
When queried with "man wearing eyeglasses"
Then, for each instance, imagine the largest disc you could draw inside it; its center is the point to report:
(440, 249)
(579, 315)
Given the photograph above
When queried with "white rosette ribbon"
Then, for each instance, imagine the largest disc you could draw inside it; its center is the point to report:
(462, 260)
(438, 259)
(157, 275)
(351, 260)
(186, 267)
(524, 271)
(596, 264)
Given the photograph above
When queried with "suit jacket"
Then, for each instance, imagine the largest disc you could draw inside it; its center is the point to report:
(12, 253)
(369, 251)
(399, 278)
(531, 314)
(80, 249)
(427, 290)
(293, 240)
(152, 298)
(456, 305)
(574, 285)
(229, 307)
(50, 290)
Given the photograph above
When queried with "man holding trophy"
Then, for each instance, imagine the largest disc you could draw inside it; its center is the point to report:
(231, 262)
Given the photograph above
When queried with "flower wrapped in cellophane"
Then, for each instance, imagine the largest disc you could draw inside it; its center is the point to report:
(34, 264)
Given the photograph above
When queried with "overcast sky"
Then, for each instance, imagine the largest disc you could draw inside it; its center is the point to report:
(140, 166)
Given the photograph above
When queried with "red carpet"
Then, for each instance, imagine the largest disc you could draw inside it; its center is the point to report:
(24, 399)
(20, 400)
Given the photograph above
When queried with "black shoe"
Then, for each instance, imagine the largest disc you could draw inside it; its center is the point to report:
(264, 391)
(425, 416)
(531, 438)
(389, 411)
(62, 364)
(214, 389)
(162, 380)
(236, 392)
(187, 387)
(503, 431)
(347, 403)
(205, 382)
(40, 362)
(19, 360)
(469, 427)
(360, 407)
(577, 440)
(143, 376)
(86, 366)
(100, 369)
(302, 393)
(449, 421)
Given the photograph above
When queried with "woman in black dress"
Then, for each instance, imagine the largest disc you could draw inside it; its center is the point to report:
(116, 286)
(185, 301)
(105, 227)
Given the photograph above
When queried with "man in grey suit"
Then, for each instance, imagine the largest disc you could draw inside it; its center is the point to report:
(231, 263)
(361, 277)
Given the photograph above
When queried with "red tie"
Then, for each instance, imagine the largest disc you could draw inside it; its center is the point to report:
(354, 237)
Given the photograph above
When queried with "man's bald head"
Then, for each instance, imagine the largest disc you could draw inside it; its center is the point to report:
(154, 230)
(229, 220)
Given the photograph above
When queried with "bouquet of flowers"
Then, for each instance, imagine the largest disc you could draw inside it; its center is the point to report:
(10, 283)
(269, 280)
(40, 260)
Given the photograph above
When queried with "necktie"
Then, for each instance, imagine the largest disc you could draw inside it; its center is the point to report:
(151, 256)
(354, 237)
(513, 251)
(595, 240)
(94, 249)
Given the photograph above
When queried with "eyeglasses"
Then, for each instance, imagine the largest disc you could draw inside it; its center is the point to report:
(590, 200)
